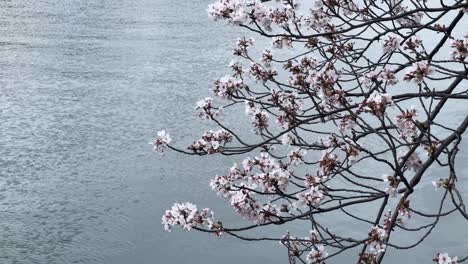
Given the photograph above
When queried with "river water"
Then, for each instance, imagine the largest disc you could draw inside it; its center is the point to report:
(84, 86)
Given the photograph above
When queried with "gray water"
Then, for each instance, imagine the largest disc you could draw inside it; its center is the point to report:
(84, 86)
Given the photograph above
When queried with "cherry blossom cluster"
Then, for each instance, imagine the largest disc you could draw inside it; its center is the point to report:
(442, 183)
(207, 111)
(242, 46)
(404, 212)
(376, 104)
(264, 173)
(391, 44)
(161, 141)
(282, 42)
(347, 146)
(232, 10)
(376, 241)
(227, 86)
(261, 73)
(406, 123)
(301, 72)
(335, 79)
(393, 182)
(459, 49)
(444, 258)
(418, 71)
(385, 76)
(260, 118)
(328, 162)
(289, 105)
(413, 45)
(187, 216)
(324, 82)
(311, 197)
(316, 255)
(211, 142)
(319, 20)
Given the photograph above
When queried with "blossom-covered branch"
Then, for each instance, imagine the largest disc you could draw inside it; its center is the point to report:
(346, 107)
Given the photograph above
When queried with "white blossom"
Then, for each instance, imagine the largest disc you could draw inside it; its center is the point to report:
(296, 157)
(187, 216)
(418, 71)
(315, 256)
(444, 258)
(311, 197)
(161, 141)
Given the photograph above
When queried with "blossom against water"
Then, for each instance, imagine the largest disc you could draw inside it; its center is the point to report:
(376, 241)
(444, 258)
(311, 197)
(281, 42)
(296, 157)
(376, 104)
(316, 255)
(245, 204)
(211, 142)
(232, 10)
(393, 182)
(442, 183)
(413, 162)
(406, 123)
(227, 86)
(187, 216)
(242, 46)
(328, 162)
(207, 111)
(418, 71)
(161, 141)
(413, 44)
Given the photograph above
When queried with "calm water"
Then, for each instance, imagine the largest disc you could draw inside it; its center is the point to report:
(84, 86)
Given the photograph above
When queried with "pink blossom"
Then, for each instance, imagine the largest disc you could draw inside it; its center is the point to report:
(287, 139)
(268, 212)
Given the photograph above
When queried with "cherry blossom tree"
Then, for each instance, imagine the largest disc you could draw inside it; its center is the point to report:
(348, 107)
